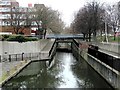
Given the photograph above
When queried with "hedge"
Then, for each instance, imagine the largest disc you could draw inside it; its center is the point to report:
(20, 38)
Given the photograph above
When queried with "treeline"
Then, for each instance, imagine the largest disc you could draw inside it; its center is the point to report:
(95, 18)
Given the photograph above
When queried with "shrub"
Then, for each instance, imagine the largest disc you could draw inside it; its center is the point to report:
(16, 38)
(21, 39)
(1, 37)
(4, 37)
(31, 39)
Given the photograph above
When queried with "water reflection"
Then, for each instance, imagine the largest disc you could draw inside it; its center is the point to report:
(68, 78)
(65, 72)
(86, 76)
(36, 75)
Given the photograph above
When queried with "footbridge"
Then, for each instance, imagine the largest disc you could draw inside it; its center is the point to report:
(64, 41)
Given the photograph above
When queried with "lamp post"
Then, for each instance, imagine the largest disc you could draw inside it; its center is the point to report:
(106, 39)
(106, 31)
(118, 15)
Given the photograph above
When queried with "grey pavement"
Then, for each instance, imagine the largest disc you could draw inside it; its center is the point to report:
(4, 66)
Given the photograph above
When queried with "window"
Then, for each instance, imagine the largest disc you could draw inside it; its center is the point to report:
(5, 3)
(6, 9)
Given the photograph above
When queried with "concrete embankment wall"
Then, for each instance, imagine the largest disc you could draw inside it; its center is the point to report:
(109, 74)
(18, 48)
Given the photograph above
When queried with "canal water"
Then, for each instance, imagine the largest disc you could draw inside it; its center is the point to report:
(64, 72)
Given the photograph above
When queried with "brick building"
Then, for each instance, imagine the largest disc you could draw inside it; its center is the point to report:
(6, 11)
(10, 10)
(7, 17)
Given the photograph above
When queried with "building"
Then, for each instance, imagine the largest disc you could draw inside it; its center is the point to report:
(9, 9)
(6, 11)
(12, 15)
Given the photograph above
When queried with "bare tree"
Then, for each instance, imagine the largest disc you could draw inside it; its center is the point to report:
(45, 18)
(28, 17)
(55, 24)
(16, 19)
(113, 17)
(96, 14)
(80, 23)
(88, 19)
(39, 13)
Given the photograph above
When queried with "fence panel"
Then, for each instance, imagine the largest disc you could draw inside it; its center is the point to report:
(107, 59)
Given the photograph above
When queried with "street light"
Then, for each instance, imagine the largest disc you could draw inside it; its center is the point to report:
(106, 39)
(118, 15)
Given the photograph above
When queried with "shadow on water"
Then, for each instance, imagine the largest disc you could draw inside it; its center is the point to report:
(65, 72)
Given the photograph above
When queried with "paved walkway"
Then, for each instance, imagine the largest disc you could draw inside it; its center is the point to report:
(8, 65)
(104, 47)
(8, 69)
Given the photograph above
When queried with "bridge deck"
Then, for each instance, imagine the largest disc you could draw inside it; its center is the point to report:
(67, 36)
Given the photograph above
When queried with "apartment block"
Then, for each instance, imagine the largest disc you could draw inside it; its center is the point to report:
(9, 11)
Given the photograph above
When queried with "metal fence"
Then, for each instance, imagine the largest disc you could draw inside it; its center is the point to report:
(28, 56)
(107, 59)
(23, 56)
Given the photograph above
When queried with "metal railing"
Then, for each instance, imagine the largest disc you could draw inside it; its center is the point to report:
(23, 56)
(107, 59)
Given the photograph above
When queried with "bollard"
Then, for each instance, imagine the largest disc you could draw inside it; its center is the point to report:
(25, 61)
(9, 58)
(21, 63)
(30, 56)
(22, 56)
(15, 67)
(8, 72)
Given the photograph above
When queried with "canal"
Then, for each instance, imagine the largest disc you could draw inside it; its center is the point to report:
(64, 72)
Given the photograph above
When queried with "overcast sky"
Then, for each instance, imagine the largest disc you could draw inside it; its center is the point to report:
(67, 8)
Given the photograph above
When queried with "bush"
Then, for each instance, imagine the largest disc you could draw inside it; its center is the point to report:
(0, 37)
(21, 39)
(16, 38)
(31, 39)
(4, 37)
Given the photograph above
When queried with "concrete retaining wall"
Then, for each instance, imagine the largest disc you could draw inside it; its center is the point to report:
(109, 74)
(18, 48)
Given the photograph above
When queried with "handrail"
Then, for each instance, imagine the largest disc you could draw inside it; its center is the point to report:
(52, 47)
(105, 58)
(20, 57)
